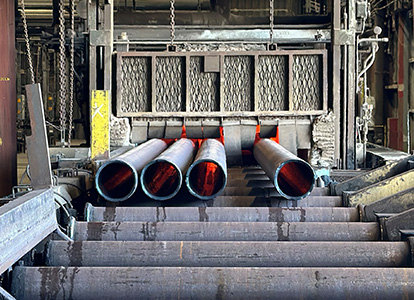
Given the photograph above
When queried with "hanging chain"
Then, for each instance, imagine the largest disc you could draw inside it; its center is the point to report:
(172, 21)
(71, 68)
(62, 72)
(272, 11)
(27, 42)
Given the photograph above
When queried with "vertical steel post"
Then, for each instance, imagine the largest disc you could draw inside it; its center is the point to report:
(402, 80)
(351, 93)
(100, 59)
(336, 76)
(8, 143)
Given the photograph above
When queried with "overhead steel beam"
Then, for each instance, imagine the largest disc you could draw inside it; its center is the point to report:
(212, 283)
(161, 34)
(24, 222)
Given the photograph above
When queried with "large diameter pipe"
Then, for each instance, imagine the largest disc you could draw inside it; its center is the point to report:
(161, 179)
(293, 177)
(117, 179)
(207, 176)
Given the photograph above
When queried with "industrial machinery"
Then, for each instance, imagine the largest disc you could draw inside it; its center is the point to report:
(224, 154)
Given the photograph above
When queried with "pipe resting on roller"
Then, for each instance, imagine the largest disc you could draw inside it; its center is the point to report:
(293, 177)
(207, 176)
(117, 179)
(161, 179)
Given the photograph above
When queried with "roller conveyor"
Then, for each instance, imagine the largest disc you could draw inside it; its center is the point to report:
(244, 244)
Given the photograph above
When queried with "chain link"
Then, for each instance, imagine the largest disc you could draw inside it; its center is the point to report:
(71, 68)
(27, 42)
(272, 11)
(62, 72)
(172, 21)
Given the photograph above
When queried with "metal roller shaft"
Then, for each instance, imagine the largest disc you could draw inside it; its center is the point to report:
(161, 179)
(229, 254)
(225, 231)
(207, 176)
(221, 214)
(293, 177)
(245, 201)
(212, 283)
(117, 179)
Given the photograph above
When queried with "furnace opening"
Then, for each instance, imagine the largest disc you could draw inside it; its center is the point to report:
(161, 180)
(295, 179)
(116, 181)
(206, 179)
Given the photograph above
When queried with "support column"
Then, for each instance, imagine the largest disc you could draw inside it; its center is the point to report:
(336, 77)
(351, 90)
(100, 70)
(402, 63)
(8, 146)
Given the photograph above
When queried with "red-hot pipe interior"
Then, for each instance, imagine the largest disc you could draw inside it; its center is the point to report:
(206, 179)
(116, 180)
(295, 179)
(161, 179)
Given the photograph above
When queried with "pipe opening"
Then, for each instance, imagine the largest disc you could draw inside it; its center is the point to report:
(116, 181)
(161, 180)
(206, 179)
(295, 179)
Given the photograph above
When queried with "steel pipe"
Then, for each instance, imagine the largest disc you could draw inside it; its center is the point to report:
(161, 179)
(225, 231)
(207, 176)
(221, 214)
(117, 179)
(201, 283)
(228, 254)
(254, 201)
(293, 177)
